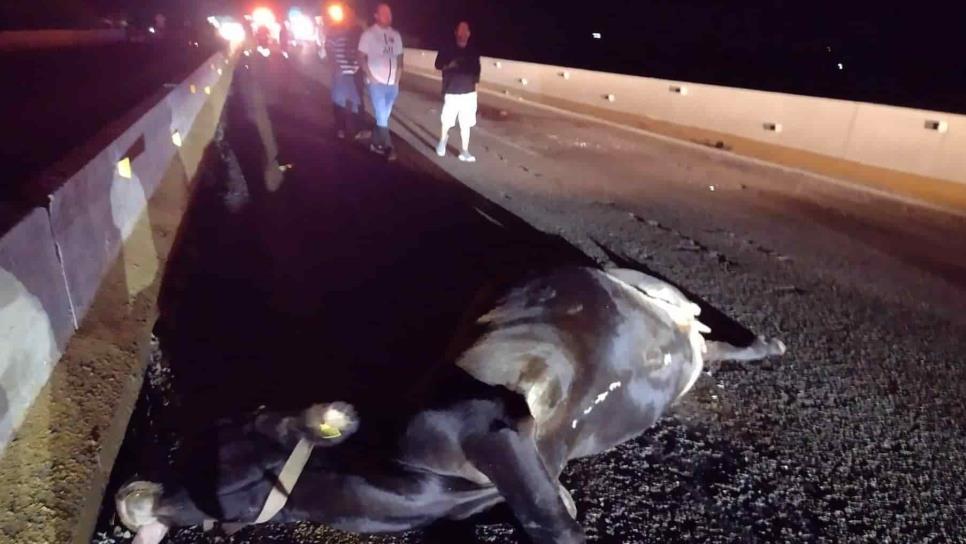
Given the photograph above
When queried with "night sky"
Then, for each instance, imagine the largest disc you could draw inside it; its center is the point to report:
(909, 53)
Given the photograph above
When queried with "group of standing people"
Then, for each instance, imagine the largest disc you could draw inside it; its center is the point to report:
(373, 59)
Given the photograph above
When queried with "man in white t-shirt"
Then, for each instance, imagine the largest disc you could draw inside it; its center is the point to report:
(381, 56)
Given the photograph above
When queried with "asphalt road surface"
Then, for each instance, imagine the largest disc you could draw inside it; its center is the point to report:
(54, 100)
(306, 269)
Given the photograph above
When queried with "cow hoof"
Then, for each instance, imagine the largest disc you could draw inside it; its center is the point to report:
(136, 503)
(568, 501)
(152, 533)
(776, 347)
(331, 423)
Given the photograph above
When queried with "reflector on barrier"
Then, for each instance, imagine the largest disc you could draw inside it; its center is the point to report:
(176, 139)
(124, 168)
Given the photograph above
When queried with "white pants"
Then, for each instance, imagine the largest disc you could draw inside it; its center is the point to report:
(459, 106)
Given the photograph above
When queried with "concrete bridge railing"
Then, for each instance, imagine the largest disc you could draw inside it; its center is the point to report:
(53, 258)
(917, 142)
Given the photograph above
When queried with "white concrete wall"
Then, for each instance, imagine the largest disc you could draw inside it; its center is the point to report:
(882, 136)
(53, 260)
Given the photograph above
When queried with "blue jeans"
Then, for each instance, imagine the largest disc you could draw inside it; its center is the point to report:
(345, 92)
(383, 97)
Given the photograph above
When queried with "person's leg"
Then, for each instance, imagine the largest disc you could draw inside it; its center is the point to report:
(465, 137)
(339, 100)
(392, 92)
(377, 93)
(339, 115)
(447, 121)
(353, 101)
(359, 80)
(467, 120)
(380, 103)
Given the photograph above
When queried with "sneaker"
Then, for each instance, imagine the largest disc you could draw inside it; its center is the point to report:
(441, 148)
(466, 157)
(377, 149)
(391, 156)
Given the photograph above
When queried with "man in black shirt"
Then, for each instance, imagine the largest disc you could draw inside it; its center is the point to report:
(460, 64)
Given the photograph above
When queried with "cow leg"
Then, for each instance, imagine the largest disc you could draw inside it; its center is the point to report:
(509, 458)
(136, 507)
(759, 349)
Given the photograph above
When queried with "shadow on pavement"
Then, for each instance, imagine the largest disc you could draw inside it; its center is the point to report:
(346, 281)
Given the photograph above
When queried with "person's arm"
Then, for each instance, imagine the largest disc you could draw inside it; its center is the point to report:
(446, 59)
(399, 71)
(477, 67)
(441, 60)
(401, 58)
(329, 54)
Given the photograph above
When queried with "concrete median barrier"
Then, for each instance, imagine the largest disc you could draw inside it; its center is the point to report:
(79, 279)
(35, 316)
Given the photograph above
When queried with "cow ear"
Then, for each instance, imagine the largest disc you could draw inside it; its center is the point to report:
(328, 424)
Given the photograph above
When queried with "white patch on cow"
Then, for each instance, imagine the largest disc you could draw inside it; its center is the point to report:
(526, 359)
(336, 418)
(568, 501)
(669, 301)
(648, 397)
(588, 444)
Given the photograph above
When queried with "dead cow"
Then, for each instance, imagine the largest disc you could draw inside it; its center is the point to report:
(566, 365)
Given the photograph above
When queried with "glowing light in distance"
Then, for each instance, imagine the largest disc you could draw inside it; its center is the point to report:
(151, 29)
(302, 26)
(263, 17)
(596, 35)
(336, 13)
(233, 32)
(264, 51)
